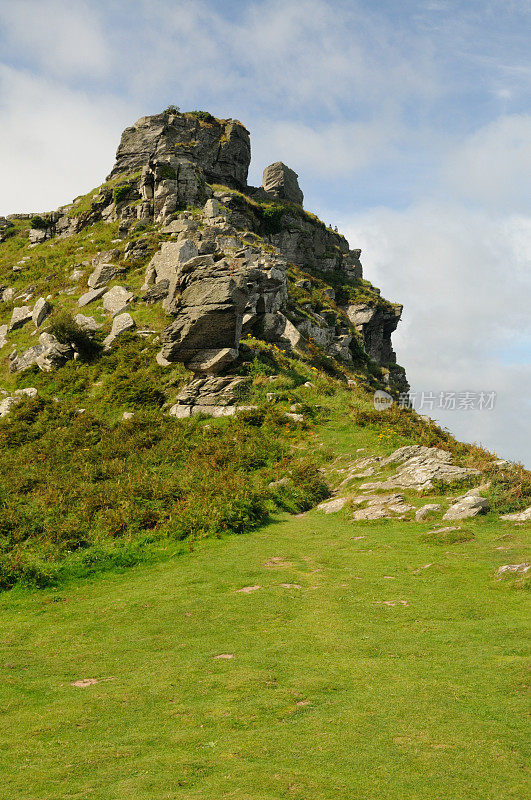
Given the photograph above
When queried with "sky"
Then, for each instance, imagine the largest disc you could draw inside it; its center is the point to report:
(408, 122)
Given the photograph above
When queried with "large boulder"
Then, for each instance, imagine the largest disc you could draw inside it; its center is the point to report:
(282, 182)
(219, 148)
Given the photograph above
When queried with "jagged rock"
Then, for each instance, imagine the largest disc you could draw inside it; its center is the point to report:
(277, 328)
(282, 182)
(172, 255)
(87, 324)
(427, 511)
(376, 324)
(214, 396)
(211, 362)
(421, 466)
(180, 226)
(41, 310)
(37, 235)
(220, 148)
(19, 317)
(3, 335)
(519, 516)
(90, 296)
(102, 275)
(116, 300)
(120, 324)
(157, 292)
(468, 506)
(212, 208)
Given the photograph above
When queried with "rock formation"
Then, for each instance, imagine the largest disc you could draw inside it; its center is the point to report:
(222, 269)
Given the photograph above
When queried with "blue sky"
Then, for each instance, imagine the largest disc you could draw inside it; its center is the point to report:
(408, 122)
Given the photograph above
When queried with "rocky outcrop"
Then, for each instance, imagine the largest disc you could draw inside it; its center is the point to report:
(220, 148)
(282, 183)
(419, 467)
(376, 323)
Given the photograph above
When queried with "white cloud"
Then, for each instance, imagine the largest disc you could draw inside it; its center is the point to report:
(60, 142)
(464, 283)
(63, 37)
(493, 165)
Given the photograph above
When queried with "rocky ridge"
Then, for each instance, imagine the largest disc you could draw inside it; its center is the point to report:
(232, 260)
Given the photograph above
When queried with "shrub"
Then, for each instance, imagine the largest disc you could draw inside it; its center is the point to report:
(120, 193)
(171, 110)
(38, 222)
(203, 116)
(66, 330)
(271, 216)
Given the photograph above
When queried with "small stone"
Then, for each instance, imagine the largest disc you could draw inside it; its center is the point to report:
(212, 208)
(519, 516)
(3, 335)
(515, 569)
(127, 415)
(101, 276)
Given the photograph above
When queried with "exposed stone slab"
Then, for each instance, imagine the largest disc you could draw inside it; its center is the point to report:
(117, 299)
(90, 296)
(120, 324)
(41, 310)
(20, 316)
(468, 506)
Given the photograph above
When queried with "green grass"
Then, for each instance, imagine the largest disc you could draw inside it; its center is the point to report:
(330, 694)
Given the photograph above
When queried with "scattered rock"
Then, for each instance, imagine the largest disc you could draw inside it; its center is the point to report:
(103, 273)
(116, 300)
(248, 589)
(427, 511)
(90, 296)
(514, 569)
(127, 415)
(467, 506)
(519, 516)
(87, 324)
(3, 335)
(331, 506)
(385, 506)
(225, 656)
(120, 324)
(41, 310)
(19, 317)
(420, 467)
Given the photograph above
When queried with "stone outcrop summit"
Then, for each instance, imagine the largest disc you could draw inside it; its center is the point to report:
(224, 259)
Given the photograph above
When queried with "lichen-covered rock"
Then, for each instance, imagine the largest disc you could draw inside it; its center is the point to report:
(420, 467)
(427, 511)
(282, 182)
(467, 506)
(19, 317)
(519, 516)
(221, 147)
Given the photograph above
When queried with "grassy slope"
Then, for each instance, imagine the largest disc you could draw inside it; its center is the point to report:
(331, 693)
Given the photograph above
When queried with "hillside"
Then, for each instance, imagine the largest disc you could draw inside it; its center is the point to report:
(183, 357)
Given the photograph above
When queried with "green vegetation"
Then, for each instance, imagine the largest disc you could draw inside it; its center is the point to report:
(362, 660)
(38, 222)
(202, 116)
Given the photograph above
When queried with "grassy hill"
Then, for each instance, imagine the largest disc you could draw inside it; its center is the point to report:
(316, 657)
